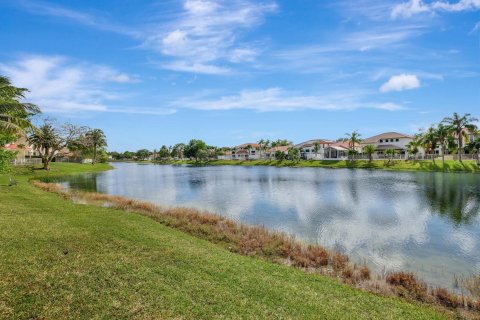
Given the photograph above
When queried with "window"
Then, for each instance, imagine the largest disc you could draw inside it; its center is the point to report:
(381, 140)
(397, 140)
(253, 152)
(307, 150)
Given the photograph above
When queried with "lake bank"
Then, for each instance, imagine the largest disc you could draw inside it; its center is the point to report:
(136, 259)
(467, 166)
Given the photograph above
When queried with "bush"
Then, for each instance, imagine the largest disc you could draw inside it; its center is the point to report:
(5, 159)
(408, 285)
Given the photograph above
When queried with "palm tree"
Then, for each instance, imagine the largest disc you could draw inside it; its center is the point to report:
(458, 124)
(260, 143)
(474, 147)
(430, 141)
(97, 139)
(13, 113)
(249, 149)
(316, 148)
(353, 140)
(44, 139)
(390, 153)
(414, 145)
(443, 135)
(369, 150)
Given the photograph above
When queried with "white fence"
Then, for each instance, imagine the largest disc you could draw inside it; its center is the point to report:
(26, 161)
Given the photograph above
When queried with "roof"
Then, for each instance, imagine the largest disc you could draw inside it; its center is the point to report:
(279, 148)
(389, 146)
(254, 145)
(386, 135)
(242, 152)
(14, 146)
(339, 148)
(310, 143)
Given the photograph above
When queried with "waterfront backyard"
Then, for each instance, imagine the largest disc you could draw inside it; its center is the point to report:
(426, 223)
(63, 260)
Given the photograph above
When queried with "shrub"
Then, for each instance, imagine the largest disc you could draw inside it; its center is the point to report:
(445, 298)
(409, 284)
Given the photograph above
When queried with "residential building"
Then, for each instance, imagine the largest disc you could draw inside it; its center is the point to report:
(307, 149)
(389, 140)
(270, 153)
(246, 151)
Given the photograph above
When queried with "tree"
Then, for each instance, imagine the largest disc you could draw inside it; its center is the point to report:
(415, 144)
(316, 148)
(294, 154)
(474, 147)
(458, 124)
(163, 154)
(49, 139)
(95, 139)
(14, 114)
(443, 138)
(279, 155)
(353, 140)
(249, 149)
(193, 147)
(390, 154)
(178, 150)
(143, 154)
(129, 155)
(430, 141)
(369, 150)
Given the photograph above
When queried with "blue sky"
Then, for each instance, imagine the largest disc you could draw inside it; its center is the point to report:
(229, 71)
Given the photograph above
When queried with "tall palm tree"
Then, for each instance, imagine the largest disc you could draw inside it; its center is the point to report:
(369, 150)
(353, 140)
(458, 124)
(97, 139)
(14, 114)
(430, 141)
(249, 149)
(443, 135)
(316, 148)
(414, 145)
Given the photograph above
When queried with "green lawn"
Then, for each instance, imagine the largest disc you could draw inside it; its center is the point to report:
(63, 260)
(399, 165)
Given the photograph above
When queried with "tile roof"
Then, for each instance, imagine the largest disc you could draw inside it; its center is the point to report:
(386, 135)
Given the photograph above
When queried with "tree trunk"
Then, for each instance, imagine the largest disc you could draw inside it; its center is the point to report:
(460, 146)
(443, 156)
(95, 155)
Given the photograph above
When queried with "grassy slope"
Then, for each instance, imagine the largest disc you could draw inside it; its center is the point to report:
(65, 260)
(400, 165)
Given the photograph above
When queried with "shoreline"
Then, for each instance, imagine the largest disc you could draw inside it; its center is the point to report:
(265, 245)
(274, 247)
(468, 166)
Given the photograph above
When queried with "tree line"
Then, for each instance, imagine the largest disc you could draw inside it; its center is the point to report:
(49, 138)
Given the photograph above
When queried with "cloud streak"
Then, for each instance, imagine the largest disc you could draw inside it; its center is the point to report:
(277, 99)
(414, 7)
(59, 85)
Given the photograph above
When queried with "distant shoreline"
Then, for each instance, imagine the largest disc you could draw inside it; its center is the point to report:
(468, 166)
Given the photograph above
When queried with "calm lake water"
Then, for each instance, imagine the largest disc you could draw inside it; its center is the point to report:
(428, 223)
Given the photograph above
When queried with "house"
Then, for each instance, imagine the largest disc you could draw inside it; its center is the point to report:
(389, 140)
(337, 151)
(246, 151)
(270, 153)
(25, 153)
(307, 149)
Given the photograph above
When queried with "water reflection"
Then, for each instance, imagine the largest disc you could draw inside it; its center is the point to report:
(424, 222)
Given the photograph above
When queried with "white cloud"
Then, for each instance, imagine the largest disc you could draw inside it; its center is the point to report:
(413, 7)
(277, 99)
(58, 84)
(207, 33)
(401, 82)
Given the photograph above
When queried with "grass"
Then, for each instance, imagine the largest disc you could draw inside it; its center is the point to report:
(398, 165)
(67, 260)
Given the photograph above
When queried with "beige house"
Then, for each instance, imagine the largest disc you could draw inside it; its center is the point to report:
(246, 151)
(389, 140)
(307, 149)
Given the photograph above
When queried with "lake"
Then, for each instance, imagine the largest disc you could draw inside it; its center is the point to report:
(428, 223)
